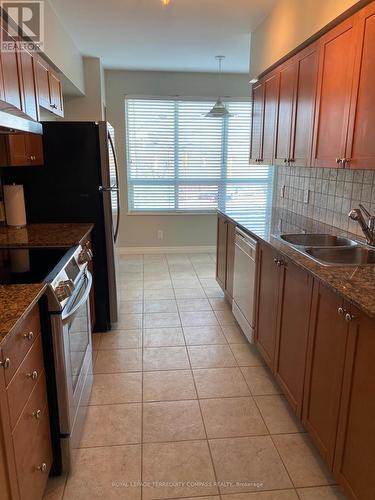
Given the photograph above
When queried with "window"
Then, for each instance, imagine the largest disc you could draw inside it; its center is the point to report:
(180, 161)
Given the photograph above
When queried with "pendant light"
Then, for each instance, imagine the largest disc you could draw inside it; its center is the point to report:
(219, 110)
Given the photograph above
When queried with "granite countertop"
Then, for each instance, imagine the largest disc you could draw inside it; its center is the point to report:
(16, 301)
(44, 235)
(354, 283)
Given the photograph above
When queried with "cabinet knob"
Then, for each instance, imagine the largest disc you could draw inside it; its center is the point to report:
(348, 317)
(33, 375)
(6, 363)
(341, 311)
(29, 335)
(280, 263)
(42, 467)
(37, 414)
(346, 162)
(276, 260)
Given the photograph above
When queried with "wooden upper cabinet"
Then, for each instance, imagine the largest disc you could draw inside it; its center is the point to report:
(360, 148)
(21, 150)
(256, 137)
(43, 85)
(56, 103)
(294, 313)
(325, 365)
(49, 89)
(304, 106)
(336, 66)
(29, 88)
(271, 95)
(288, 74)
(354, 459)
(11, 77)
(267, 303)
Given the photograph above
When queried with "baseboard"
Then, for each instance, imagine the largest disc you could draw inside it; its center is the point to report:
(161, 250)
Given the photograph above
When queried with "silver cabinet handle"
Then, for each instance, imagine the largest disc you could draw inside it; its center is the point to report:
(341, 311)
(348, 317)
(29, 335)
(33, 375)
(37, 414)
(6, 363)
(42, 467)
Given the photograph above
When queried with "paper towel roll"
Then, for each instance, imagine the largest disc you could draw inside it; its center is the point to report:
(14, 205)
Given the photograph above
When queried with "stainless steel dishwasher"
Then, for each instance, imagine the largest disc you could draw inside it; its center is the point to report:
(244, 282)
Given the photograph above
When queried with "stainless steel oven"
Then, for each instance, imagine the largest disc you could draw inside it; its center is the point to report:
(72, 351)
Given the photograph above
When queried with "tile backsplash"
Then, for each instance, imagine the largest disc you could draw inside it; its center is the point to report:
(332, 193)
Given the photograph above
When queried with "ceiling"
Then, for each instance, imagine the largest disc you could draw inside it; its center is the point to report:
(145, 35)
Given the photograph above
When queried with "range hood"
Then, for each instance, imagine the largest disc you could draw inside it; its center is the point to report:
(9, 124)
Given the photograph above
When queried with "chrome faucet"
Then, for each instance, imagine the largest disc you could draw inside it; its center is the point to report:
(368, 228)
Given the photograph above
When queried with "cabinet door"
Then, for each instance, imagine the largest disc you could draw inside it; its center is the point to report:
(17, 150)
(221, 257)
(295, 302)
(11, 78)
(271, 95)
(231, 235)
(361, 150)
(43, 85)
(30, 102)
(56, 102)
(300, 153)
(34, 148)
(287, 77)
(256, 137)
(325, 363)
(268, 294)
(336, 65)
(355, 450)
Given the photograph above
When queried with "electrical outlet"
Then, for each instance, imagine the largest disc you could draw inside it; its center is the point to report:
(306, 195)
(282, 191)
(160, 234)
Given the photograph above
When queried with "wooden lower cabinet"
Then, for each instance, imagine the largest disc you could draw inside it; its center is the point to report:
(25, 441)
(225, 254)
(293, 329)
(267, 303)
(325, 364)
(354, 464)
(283, 310)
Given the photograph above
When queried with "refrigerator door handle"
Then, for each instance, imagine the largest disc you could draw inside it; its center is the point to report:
(103, 189)
(117, 184)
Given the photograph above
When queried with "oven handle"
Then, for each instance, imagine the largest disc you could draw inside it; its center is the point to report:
(65, 317)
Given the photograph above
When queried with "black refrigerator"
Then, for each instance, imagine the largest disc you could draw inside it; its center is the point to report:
(79, 183)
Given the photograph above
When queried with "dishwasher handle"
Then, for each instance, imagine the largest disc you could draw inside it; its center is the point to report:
(245, 243)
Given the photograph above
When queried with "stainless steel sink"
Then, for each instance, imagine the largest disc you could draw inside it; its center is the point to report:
(317, 240)
(349, 256)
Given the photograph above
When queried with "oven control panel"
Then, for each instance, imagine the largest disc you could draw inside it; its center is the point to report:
(66, 280)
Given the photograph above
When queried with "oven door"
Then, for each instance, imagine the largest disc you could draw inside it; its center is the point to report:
(73, 360)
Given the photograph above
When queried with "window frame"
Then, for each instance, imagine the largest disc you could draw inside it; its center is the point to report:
(221, 182)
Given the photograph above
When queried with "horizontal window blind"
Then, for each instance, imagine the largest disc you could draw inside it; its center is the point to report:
(180, 161)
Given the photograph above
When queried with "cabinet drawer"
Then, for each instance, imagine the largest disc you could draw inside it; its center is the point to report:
(32, 444)
(20, 342)
(24, 380)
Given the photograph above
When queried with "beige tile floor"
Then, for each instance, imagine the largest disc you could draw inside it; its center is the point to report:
(182, 406)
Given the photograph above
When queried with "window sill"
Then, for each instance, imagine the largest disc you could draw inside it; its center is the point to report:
(130, 214)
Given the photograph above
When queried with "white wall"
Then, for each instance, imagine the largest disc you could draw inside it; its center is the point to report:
(61, 50)
(179, 230)
(91, 105)
(290, 23)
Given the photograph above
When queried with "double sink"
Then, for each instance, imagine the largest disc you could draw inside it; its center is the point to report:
(331, 250)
